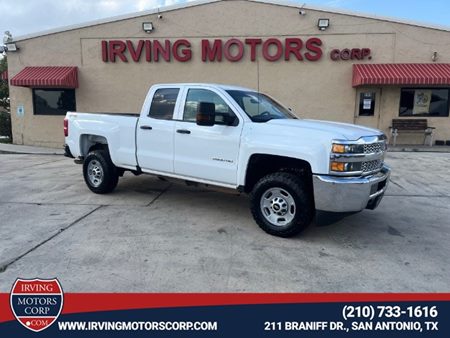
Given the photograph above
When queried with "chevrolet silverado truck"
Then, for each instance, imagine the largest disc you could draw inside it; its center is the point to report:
(240, 139)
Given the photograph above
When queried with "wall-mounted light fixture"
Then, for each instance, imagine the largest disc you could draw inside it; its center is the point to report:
(323, 24)
(434, 56)
(11, 47)
(147, 27)
(302, 12)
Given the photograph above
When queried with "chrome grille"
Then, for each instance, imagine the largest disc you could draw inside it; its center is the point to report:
(370, 148)
(369, 166)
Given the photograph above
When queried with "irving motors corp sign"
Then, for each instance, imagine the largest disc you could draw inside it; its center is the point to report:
(232, 50)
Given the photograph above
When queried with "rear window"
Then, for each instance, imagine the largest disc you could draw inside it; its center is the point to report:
(163, 103)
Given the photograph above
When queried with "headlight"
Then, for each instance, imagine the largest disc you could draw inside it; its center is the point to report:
(346, 158)
(345, 166)
(338, 148)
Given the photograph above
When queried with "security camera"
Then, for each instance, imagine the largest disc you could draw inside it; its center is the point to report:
(302, 12)
(160, 16)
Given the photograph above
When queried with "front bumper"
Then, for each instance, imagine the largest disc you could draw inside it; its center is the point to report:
(348, 194)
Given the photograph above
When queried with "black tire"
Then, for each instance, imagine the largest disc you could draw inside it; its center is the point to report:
(100, 160)
(300, 193)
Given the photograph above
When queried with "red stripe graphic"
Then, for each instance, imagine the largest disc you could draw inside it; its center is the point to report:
(93, 302)
(49, 77)
(401, 74)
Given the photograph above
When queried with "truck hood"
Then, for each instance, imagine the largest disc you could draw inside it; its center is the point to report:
(338, 130)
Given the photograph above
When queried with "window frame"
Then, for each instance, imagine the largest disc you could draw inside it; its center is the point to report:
(424, 115)
(33, 94)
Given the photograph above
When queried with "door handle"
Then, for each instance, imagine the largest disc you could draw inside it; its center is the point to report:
(183, 131)
(146, 127)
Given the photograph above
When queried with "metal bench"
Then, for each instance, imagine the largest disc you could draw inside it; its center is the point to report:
(411, 126)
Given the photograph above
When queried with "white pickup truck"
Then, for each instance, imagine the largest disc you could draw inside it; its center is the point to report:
(236, 138)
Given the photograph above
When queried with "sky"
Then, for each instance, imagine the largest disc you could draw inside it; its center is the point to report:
(22, 17)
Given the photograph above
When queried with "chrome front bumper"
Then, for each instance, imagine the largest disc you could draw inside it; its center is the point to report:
(347, 194)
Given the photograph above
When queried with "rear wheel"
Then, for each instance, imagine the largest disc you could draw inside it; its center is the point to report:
(100, 174)
(281, 204)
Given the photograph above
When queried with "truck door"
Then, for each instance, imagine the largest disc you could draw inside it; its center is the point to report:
(207, 152)
(154, 134)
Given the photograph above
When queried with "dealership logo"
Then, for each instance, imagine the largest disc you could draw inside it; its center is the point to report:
(36, 303)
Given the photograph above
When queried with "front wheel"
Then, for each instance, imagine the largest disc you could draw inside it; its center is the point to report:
(282, 204)
(100, 174)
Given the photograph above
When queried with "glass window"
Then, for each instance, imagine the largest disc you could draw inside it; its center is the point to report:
(163, 103)
(424, 102)
(53, 101)
(224, 114)
(260, 107)
(367, 104)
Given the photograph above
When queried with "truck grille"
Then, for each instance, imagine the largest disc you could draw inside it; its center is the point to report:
(369, 166)
(370, 148)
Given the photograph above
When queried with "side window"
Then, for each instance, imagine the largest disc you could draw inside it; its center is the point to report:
(224, 114)
(163, 103)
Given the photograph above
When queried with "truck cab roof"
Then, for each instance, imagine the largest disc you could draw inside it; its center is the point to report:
(204, 84)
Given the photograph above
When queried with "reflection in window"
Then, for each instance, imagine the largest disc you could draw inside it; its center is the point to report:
(163, 103)
(260, 107)
(53, 101)
(424, 102)
(224, 114)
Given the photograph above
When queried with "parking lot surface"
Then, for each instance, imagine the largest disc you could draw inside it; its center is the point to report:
(154, 236)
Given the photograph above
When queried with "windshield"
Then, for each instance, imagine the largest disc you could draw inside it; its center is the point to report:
(260, 107)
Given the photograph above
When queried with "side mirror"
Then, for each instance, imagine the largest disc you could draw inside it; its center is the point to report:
(206, 114)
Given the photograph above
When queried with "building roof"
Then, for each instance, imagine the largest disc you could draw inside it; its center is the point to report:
(286, 3)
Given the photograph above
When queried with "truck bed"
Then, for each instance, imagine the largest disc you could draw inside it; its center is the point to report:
(107, 113)
(118, 128)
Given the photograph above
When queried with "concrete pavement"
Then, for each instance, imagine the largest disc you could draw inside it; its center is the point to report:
(153, 236)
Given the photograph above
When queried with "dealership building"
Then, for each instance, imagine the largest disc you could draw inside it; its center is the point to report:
(324, 64)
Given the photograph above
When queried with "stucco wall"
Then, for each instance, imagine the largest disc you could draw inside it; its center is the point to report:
(319, 89)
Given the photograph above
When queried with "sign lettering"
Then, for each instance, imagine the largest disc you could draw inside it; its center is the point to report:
(231, 50)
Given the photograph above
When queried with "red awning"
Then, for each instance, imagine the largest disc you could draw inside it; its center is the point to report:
(401, 74)
(4, 75)
(47, 77)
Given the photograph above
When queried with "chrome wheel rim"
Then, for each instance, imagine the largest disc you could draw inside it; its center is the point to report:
(95, 173)
(278, 206)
